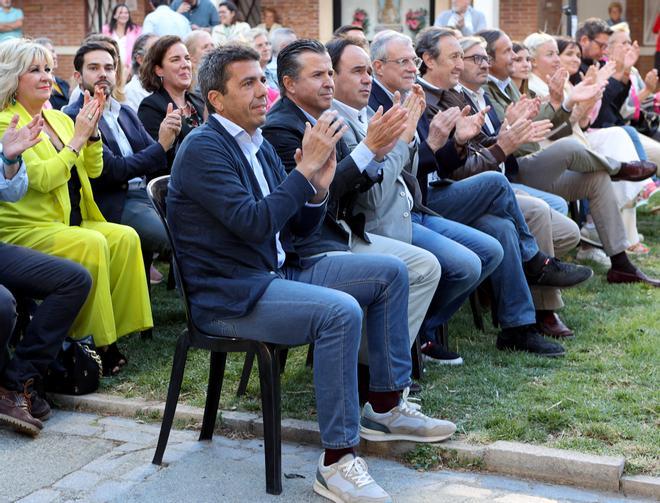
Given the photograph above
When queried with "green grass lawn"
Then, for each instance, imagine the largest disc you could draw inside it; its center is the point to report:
(603, 397)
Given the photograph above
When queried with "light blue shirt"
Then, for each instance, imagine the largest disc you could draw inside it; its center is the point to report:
(10, 17)
(12, 190)
(250, 145)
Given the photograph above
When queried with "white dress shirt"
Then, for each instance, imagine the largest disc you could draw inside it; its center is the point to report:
(164, 21)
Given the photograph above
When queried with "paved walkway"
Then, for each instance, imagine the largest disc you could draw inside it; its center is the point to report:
(91, 458)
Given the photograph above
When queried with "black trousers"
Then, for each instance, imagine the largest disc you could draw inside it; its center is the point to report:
(61, 284)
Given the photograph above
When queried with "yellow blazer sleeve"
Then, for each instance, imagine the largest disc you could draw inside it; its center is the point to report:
(46, 170)
(93, 159)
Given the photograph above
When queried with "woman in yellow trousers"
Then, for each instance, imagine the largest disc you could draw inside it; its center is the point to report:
(46, 220)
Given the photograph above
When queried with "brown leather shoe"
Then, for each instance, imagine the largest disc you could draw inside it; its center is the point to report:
(614, 276)
(635, 171)
(15, 411)
(551, 325)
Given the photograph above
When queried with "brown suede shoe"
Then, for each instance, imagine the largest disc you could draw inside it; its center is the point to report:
(15, 411)
(551, 325)
(635, 171)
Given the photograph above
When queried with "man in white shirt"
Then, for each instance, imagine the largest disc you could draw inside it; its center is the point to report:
(165, 21)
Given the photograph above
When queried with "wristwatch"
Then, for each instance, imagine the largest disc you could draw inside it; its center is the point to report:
(8, 161)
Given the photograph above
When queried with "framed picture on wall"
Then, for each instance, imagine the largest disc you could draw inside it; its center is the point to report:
(406, 16)
(651, 11)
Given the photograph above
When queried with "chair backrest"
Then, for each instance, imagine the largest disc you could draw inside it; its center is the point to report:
(157, 192)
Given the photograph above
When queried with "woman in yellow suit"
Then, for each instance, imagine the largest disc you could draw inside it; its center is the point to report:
(46, 220)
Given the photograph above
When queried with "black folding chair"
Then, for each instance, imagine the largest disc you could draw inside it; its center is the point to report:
(268, 356)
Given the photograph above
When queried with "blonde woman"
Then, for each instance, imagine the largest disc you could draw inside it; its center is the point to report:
(58, 215)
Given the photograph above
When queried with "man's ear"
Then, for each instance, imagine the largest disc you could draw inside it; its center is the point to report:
(78, 76)
(428, 60)
(377, 67)
(217, 100)
(288, 83)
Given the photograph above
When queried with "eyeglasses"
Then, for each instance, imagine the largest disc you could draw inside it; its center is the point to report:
(478, 59)
(404, 62)
(601, 45)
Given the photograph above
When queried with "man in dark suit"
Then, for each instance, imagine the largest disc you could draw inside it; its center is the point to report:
(487, 203)
(129, 152)
(235, 217)
(305, 75)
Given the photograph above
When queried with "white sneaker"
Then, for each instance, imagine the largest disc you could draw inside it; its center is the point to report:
(593, 254)
(348, 481)
(590, 236)
(403, 422)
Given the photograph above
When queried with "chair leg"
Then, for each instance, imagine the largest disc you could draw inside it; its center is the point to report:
(216, 376)
(283, 354)
(477, 315)
(245, 375)
(417, 361)
(176, 378)
(269, 376)
(443, 336)
(309, 362)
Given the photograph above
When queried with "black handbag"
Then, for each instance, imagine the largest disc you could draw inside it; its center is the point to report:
(77, 370)
(647, 123)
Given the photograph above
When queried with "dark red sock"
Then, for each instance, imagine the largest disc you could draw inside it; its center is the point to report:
(334, 455)
(384, 401)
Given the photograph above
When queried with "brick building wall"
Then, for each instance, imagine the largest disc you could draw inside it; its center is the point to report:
(635, 17)
(301, 15)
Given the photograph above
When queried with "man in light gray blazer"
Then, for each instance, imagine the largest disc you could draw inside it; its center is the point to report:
(389, 208)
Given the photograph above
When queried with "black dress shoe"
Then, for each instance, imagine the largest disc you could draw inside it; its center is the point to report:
(551, 325)
(635, 171)
(616, 276)
(527, 338)
(560, 274)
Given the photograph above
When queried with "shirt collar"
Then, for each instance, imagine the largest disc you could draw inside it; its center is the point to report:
(354, 114)
(240, 134)
(428, 84)
(501, 84)
(112, 107)
(478, 94)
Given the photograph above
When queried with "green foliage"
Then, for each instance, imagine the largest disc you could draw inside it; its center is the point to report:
(602, 398)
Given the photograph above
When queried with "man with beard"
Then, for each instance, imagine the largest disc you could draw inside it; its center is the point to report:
(129, 153)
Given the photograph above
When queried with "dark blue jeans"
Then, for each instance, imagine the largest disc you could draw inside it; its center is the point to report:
(323, 304)
(466, 255)
(487, 202)
(62, 286)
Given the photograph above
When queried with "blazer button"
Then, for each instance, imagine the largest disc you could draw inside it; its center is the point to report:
(406, 214)
(402, 194)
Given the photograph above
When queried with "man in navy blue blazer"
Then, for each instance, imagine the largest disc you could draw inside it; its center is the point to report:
(236, 218)
(129, 152)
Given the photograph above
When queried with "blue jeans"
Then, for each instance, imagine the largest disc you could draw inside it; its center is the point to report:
(556, 202)
(322, 304)
(634, 136)
(487, 202)
(466, 255)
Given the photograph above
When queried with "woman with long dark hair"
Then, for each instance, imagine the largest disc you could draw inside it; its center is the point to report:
(124, 31)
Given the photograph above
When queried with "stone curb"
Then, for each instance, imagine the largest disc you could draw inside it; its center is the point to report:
(545, 464)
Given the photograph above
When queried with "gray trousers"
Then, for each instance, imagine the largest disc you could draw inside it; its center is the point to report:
(555, 235)
(570, 170)
(423, 276)
(141, 215)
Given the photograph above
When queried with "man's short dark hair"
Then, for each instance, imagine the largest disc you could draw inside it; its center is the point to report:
(79, 58)
(345, 28)
(491, 37)
(158, 3)
(591, 28)
(428, 41)
(336, 48)
(287, 59)
(213, 73)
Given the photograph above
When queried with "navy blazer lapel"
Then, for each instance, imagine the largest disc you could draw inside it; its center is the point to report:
(109, 138)
(248, 171)
(379, 97)
(132, 135)
(492, 115)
